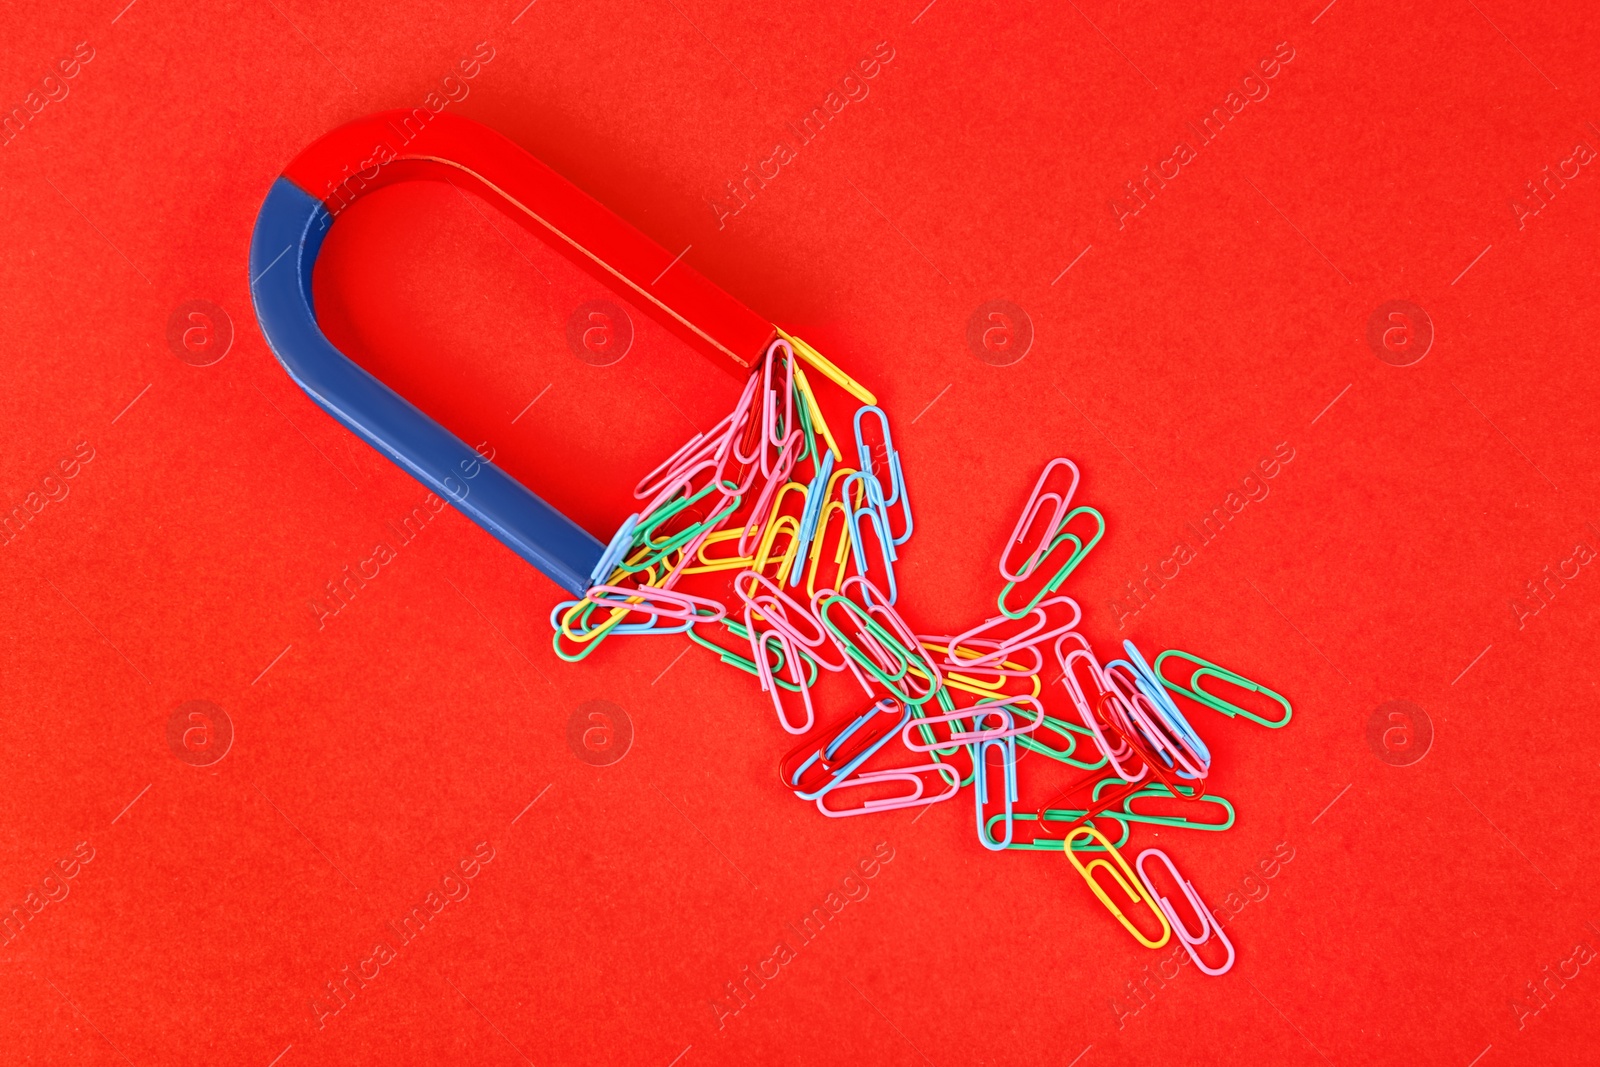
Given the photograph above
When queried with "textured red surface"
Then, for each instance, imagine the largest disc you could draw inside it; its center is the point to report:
(375, 748)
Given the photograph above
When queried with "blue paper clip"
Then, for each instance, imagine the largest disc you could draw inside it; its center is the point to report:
(876, 518)
(864, 452)
(980, 770)
(815, 494)
(621, 541)
(841, 773)
(1165, 706)
(896, 493)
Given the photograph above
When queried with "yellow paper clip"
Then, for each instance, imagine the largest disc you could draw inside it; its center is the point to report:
(1124, 878)
(704, 562)
(840, 558)
(815, 411)
(826, 367)
(783, 524)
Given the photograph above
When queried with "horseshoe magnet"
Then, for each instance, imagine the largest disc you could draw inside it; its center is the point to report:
(396, 146)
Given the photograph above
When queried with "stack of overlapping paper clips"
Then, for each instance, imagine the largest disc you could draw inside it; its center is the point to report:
(767, 494)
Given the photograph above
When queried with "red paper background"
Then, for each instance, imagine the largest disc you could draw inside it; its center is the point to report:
(374, 753)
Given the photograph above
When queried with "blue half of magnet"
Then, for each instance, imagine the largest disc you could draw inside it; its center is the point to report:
(283, 250)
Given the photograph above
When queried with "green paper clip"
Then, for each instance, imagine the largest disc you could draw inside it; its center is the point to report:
(1050, 844)
(733, 659)
(1156, 789)
(1079, 551)
(1205, 668)
(1067, 730)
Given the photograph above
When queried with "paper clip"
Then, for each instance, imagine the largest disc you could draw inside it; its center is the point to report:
(1049, 844)
(849, 748)
(980, 794)
(1003, 710)
(914, 799)
(1206, 668)
(1078, 548)
(1157, 791)
(969, 681)
(1031, 511)
(827, 369)
(1034, 634)
(620, 542)
(1208, 924)
(818, 423)
(1166, 707)
(889, 495)
(1123, 875)
(820, 542)
(776, 431)
(706, 562)
(1144, 715)
(796, 675)
(744, 445)
(661, 603)
(816, 496)
(874, 514)
(896, 492)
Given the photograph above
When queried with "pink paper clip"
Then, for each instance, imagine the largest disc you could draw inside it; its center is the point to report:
(704, 452)
(763, 505)
(873, 605)
(771, 436)
(660, 602)
(913, 775)
(712, 445)
(797, 675)
(880, 609)
(1208, 922)
(978, 645)
(1087, 703)
(774, 606)
(857, 635)
(1030, 636)
(681, 479)
(698, 448)
(1030, 512)
(693, 546)
(744, 442)
(1000, 708)
(1150, 722)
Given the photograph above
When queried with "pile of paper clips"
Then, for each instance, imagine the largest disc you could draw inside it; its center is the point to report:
(767, 494)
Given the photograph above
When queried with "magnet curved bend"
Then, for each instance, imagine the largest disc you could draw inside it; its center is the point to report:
(396, 146)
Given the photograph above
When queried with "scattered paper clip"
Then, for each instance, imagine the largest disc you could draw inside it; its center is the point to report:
(1209, 927)
(765, 504)
(1207, 669)
(1125, 880)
